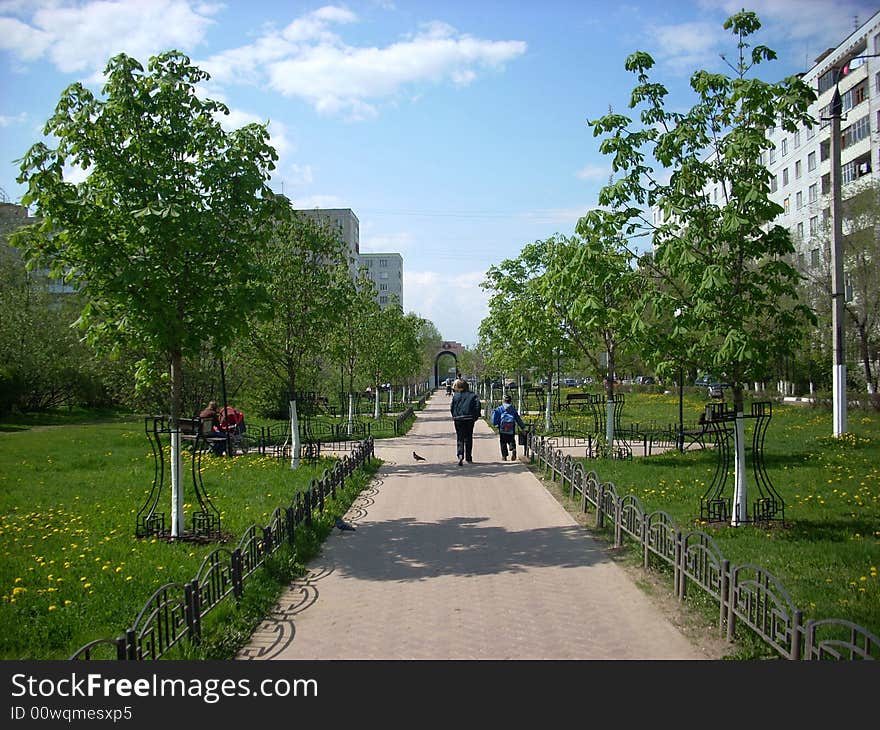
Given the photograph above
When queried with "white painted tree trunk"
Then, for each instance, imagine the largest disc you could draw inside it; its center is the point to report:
(740, 497)
(376, 403)
(391, 399)
(294, 436)
(609, 423)
(547, 408)
(350, 413)
(178, 520)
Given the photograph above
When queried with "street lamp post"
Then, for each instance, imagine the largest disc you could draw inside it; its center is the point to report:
(838, 375)
(838, 285)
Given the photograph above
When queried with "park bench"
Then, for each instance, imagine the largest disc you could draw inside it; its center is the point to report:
(581, 399)
(197, 429)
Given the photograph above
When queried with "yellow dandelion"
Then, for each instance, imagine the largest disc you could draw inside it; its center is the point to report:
(53, 607)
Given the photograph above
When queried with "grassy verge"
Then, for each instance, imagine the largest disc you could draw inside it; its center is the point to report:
(72, 569)
(827, 552)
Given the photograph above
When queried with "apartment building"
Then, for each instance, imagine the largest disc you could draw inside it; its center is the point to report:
(800, 162)
(385, 270)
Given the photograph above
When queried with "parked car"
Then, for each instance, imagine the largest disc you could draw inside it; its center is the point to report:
(645, 380)
(570, 382)
(716, 390)
(511, 385)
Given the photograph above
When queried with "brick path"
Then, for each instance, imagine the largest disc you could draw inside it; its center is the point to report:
(470, 562)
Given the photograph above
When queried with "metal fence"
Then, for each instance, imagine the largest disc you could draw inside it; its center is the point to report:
(747, 595)
(175, 610)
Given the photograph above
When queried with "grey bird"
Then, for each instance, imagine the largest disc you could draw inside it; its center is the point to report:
(344, 526)
(417, 457)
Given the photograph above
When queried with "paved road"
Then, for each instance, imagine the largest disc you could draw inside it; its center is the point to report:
(470, 562)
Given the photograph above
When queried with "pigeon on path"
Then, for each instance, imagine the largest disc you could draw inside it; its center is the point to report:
(344, 526)
(417, 457)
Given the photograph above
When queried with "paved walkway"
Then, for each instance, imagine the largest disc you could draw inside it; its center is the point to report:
(470, 562)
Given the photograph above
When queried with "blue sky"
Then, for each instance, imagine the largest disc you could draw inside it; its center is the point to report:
(456, 131)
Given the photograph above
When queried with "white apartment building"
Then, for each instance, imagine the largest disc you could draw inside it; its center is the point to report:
(385, 270)
(800, 162)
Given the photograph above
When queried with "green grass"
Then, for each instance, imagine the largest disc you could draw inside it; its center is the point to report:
(827, 553)
(71, 569)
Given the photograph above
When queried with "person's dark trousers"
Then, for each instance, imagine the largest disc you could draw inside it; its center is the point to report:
(508, 441)
(464, 433)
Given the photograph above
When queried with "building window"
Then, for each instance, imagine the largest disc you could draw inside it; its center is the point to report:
(800, 231)
(814, 257)
(785, 177)
(785, 205)
(814, 193)
(811, 161)
(856, 168)
(826, 183)
(799, 200)
(797, 138)
(773, 184)
(383, 300)
(772, 155)
(855, 132)
(824, 150)
(811, 132)
(814, 225)
(797, 170)
(383, 263)
(383, 287)
(784, 146)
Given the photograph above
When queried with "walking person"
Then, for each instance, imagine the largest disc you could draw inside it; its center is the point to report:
(465, 409)
(506, 418)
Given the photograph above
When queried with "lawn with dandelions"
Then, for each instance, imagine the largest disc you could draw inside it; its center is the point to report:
(71, 569)
(827, 552)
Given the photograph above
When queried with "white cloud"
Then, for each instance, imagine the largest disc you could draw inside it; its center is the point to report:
(687, 46)
(309, 61)
(593, 172)
(9, 121)
(80, 37)
(455, 303)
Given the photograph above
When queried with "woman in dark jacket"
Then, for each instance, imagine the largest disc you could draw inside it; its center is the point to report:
(466, 409)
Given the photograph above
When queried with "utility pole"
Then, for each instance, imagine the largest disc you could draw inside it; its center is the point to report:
(838, 376)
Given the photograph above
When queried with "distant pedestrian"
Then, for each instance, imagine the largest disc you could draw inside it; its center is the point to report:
(506, 419)
(465, 409)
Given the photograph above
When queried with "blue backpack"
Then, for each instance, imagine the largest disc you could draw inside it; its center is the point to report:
(507, 421)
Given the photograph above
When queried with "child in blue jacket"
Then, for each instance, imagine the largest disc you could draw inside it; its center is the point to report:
(506, 419)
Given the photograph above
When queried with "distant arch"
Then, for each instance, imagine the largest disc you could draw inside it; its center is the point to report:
(447, 348)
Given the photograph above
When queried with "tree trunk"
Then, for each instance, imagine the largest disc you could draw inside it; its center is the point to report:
(295, 441)
(609, 394)
(547, 422)
(376, 403)
(740, 491)
(865, 353)
(350, 413)
(178, 519)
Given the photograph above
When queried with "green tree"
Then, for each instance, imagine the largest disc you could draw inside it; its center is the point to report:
(592, 286)
(861, 257)
(520, 321)
(723, 265)
(350, 340)
(163, 224)
(305, 267)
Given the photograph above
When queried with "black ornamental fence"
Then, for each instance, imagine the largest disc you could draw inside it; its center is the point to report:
(747, 595)
(176, 610)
